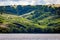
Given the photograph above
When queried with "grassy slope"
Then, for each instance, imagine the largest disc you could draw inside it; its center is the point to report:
(12, 21)
(9, 22)
(46, 22)
(45, 19)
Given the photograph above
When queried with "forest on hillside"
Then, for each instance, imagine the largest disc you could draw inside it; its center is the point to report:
(29, 19)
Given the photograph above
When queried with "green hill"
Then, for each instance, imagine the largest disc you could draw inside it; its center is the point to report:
(13, 23)
(42, 19)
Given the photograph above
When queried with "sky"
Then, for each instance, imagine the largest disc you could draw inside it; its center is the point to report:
(28, 2)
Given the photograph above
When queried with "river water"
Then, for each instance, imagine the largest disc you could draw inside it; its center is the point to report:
(29, 36)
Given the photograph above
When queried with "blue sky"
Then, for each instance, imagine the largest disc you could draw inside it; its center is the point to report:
(28, 2)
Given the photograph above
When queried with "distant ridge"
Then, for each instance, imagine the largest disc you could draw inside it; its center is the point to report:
(54, 5)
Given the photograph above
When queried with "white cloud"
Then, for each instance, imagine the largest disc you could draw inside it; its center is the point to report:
(28, 2)
(52, 1)
(58, 2)
(1, 4)
(19, 3)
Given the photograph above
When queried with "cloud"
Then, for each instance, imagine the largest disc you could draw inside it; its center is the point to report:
(28, 2)
(52, 1)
